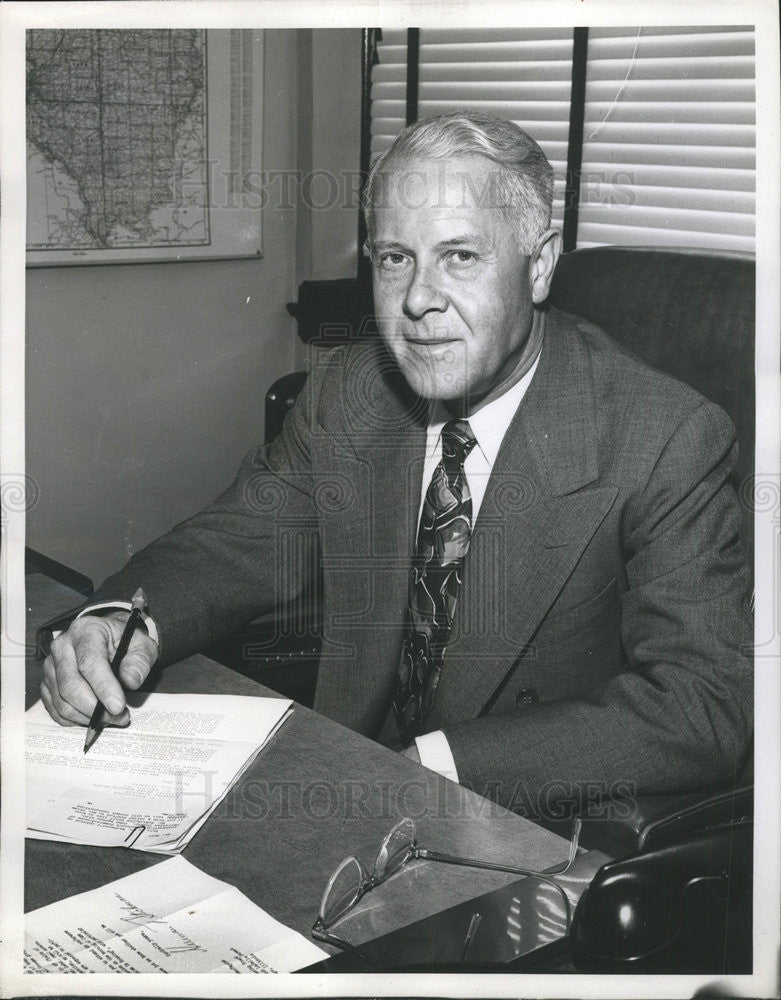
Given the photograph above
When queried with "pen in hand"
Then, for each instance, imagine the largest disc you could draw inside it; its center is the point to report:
(99, 716)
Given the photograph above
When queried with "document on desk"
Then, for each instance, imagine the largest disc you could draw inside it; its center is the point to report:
(171, 917)
(152, 785)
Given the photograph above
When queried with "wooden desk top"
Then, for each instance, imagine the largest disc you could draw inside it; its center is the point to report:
(316, 794)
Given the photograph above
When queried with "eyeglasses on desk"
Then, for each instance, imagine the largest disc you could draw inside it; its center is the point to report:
(351, 880)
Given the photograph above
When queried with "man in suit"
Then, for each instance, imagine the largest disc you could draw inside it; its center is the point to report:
(533, 578)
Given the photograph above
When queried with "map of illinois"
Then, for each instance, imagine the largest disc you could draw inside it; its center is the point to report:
(116, 130)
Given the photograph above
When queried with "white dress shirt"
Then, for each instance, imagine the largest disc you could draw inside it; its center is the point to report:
(489, 425)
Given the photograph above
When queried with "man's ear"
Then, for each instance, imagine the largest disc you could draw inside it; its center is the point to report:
(543, 264)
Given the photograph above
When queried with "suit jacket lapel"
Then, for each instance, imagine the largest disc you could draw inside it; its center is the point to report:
(367, 548)
(382, 428)
(540, 509)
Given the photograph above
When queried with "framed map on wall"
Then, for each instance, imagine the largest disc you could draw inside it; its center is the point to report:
(143, 145)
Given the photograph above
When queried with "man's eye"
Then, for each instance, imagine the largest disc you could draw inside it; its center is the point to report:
(463, 258)
(393, 261)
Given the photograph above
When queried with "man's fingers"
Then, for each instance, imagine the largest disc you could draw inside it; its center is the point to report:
(138, 660)
(71, 694)
(48, 702)
(96, 670)
(120, 721)
(59, 709)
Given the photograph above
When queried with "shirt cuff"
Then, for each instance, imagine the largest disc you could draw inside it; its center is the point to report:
(122, 606)
(435, 754)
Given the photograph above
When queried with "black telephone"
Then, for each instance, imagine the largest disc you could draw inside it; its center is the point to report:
(678, 907)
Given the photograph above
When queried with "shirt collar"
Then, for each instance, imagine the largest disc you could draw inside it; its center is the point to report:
(490, 423)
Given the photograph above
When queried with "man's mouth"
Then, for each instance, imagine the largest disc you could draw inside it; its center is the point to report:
(431, 341)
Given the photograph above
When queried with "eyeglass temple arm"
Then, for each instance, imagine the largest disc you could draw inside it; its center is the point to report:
(546, 877)
(422, 852)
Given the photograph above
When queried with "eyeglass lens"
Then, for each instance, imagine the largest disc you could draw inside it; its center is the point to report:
(395, 849)
(343, 891)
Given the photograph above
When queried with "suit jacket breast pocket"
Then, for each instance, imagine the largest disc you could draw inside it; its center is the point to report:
(573, 653)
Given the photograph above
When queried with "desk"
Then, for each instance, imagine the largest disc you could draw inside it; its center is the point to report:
(317, 793)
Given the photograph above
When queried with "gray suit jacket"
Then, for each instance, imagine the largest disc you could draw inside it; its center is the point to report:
(602, 631)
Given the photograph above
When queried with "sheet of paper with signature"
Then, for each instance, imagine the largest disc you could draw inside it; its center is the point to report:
(171, 917)
(150, 786)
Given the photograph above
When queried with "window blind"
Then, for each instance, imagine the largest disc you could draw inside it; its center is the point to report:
(521, 74)
(668, 139)
(389, 90)
(669, 132)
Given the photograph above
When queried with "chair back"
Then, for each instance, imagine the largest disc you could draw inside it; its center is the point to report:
(690, 314)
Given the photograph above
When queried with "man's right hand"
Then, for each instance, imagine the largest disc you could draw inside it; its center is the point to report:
(77, 672)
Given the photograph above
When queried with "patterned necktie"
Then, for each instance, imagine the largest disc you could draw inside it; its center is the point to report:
(443, 540)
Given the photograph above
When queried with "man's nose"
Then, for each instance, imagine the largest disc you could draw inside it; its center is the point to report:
(423, 294)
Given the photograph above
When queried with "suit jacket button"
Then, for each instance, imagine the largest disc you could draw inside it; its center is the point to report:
(526, 696)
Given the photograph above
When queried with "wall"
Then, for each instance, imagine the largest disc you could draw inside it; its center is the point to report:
(145, 383)
(329, 91)
(333, 198)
